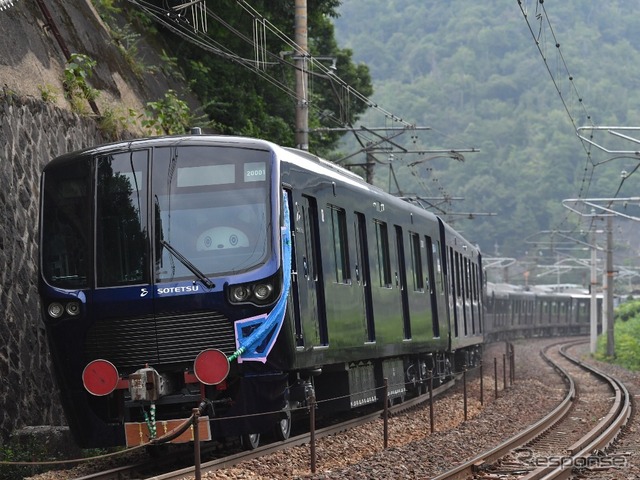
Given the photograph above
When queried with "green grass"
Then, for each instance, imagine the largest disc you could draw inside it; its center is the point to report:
(626, 337)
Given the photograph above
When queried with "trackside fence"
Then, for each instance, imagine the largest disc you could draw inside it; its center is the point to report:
(508, 364)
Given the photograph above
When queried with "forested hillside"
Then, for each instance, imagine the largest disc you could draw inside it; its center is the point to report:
(473, 72)
(470, 71)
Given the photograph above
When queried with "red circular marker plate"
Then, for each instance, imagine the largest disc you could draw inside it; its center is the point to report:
(100, 377)
(211, 366)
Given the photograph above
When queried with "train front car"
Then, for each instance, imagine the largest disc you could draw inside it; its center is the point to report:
(161, 259)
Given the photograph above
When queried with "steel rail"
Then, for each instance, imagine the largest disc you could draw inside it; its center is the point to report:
(599, 437)
(466, 469)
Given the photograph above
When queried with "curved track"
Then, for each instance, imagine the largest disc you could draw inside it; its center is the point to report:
(546, 450)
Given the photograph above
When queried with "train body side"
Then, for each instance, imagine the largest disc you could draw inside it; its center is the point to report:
(359, 294)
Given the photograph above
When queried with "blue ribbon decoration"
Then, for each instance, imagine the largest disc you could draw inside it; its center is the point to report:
(265, 328)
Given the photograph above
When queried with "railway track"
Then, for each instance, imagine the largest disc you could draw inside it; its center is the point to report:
(149, 470)
(573, 435)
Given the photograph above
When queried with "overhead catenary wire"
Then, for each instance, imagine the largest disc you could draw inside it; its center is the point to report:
(179, 25)
(542, 14)
(544, 20)
(264, 61)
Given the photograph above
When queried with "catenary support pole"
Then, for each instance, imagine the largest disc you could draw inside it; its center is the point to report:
(301, 60)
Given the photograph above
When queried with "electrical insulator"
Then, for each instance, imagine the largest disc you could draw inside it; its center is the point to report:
(5, 4)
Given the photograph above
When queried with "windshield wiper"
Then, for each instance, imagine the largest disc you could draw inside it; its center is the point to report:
(201, 276)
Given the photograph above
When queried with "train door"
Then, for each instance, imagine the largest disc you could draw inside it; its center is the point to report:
(461, 275)
(453, 308)
(418, 289)
(435, 284)
(346, 307)
(477, 295)
(385, 298)
(474, 302)
(457, 293)
(363, 275)
(122, 244)
(401, 282)
(312, 322)
(466, 285)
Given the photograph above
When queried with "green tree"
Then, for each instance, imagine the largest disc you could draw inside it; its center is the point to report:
(243, 101)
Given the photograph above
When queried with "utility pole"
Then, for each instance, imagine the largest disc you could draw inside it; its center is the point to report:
(607, 207)
(302, 100)
(610, 343)
(593, 291)
(633, 153)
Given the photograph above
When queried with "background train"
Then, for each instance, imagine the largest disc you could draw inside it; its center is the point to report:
(236, 276)
(514, 312)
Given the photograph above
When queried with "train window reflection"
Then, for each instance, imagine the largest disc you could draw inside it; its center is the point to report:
(121, 219)
(340, 245)
(384, 262)
(66, 214)
(416, 261)
(219, 232)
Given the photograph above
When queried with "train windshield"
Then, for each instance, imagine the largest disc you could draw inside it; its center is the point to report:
(211, 208)
(207, 208)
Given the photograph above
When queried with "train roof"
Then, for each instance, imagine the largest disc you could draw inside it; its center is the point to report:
(168, 140)
(504, 290)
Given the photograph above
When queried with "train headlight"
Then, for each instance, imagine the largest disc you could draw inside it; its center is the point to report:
(262, 291)
(73, 308)
(55, 310)
(240, 293)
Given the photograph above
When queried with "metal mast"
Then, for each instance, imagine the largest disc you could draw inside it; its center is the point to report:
(301, 56)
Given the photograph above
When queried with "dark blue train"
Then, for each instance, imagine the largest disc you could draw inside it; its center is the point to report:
(515, 312)
(238, 276)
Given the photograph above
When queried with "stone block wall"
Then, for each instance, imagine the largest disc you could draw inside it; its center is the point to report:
(32, 133)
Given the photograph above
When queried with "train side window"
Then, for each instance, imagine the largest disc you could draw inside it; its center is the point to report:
(340, 246)
(474, 282)
(458, 270)
(384, 261)
(467, 278)
(438, 264)
(468, 292)
(416, 260)
(308, 255)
